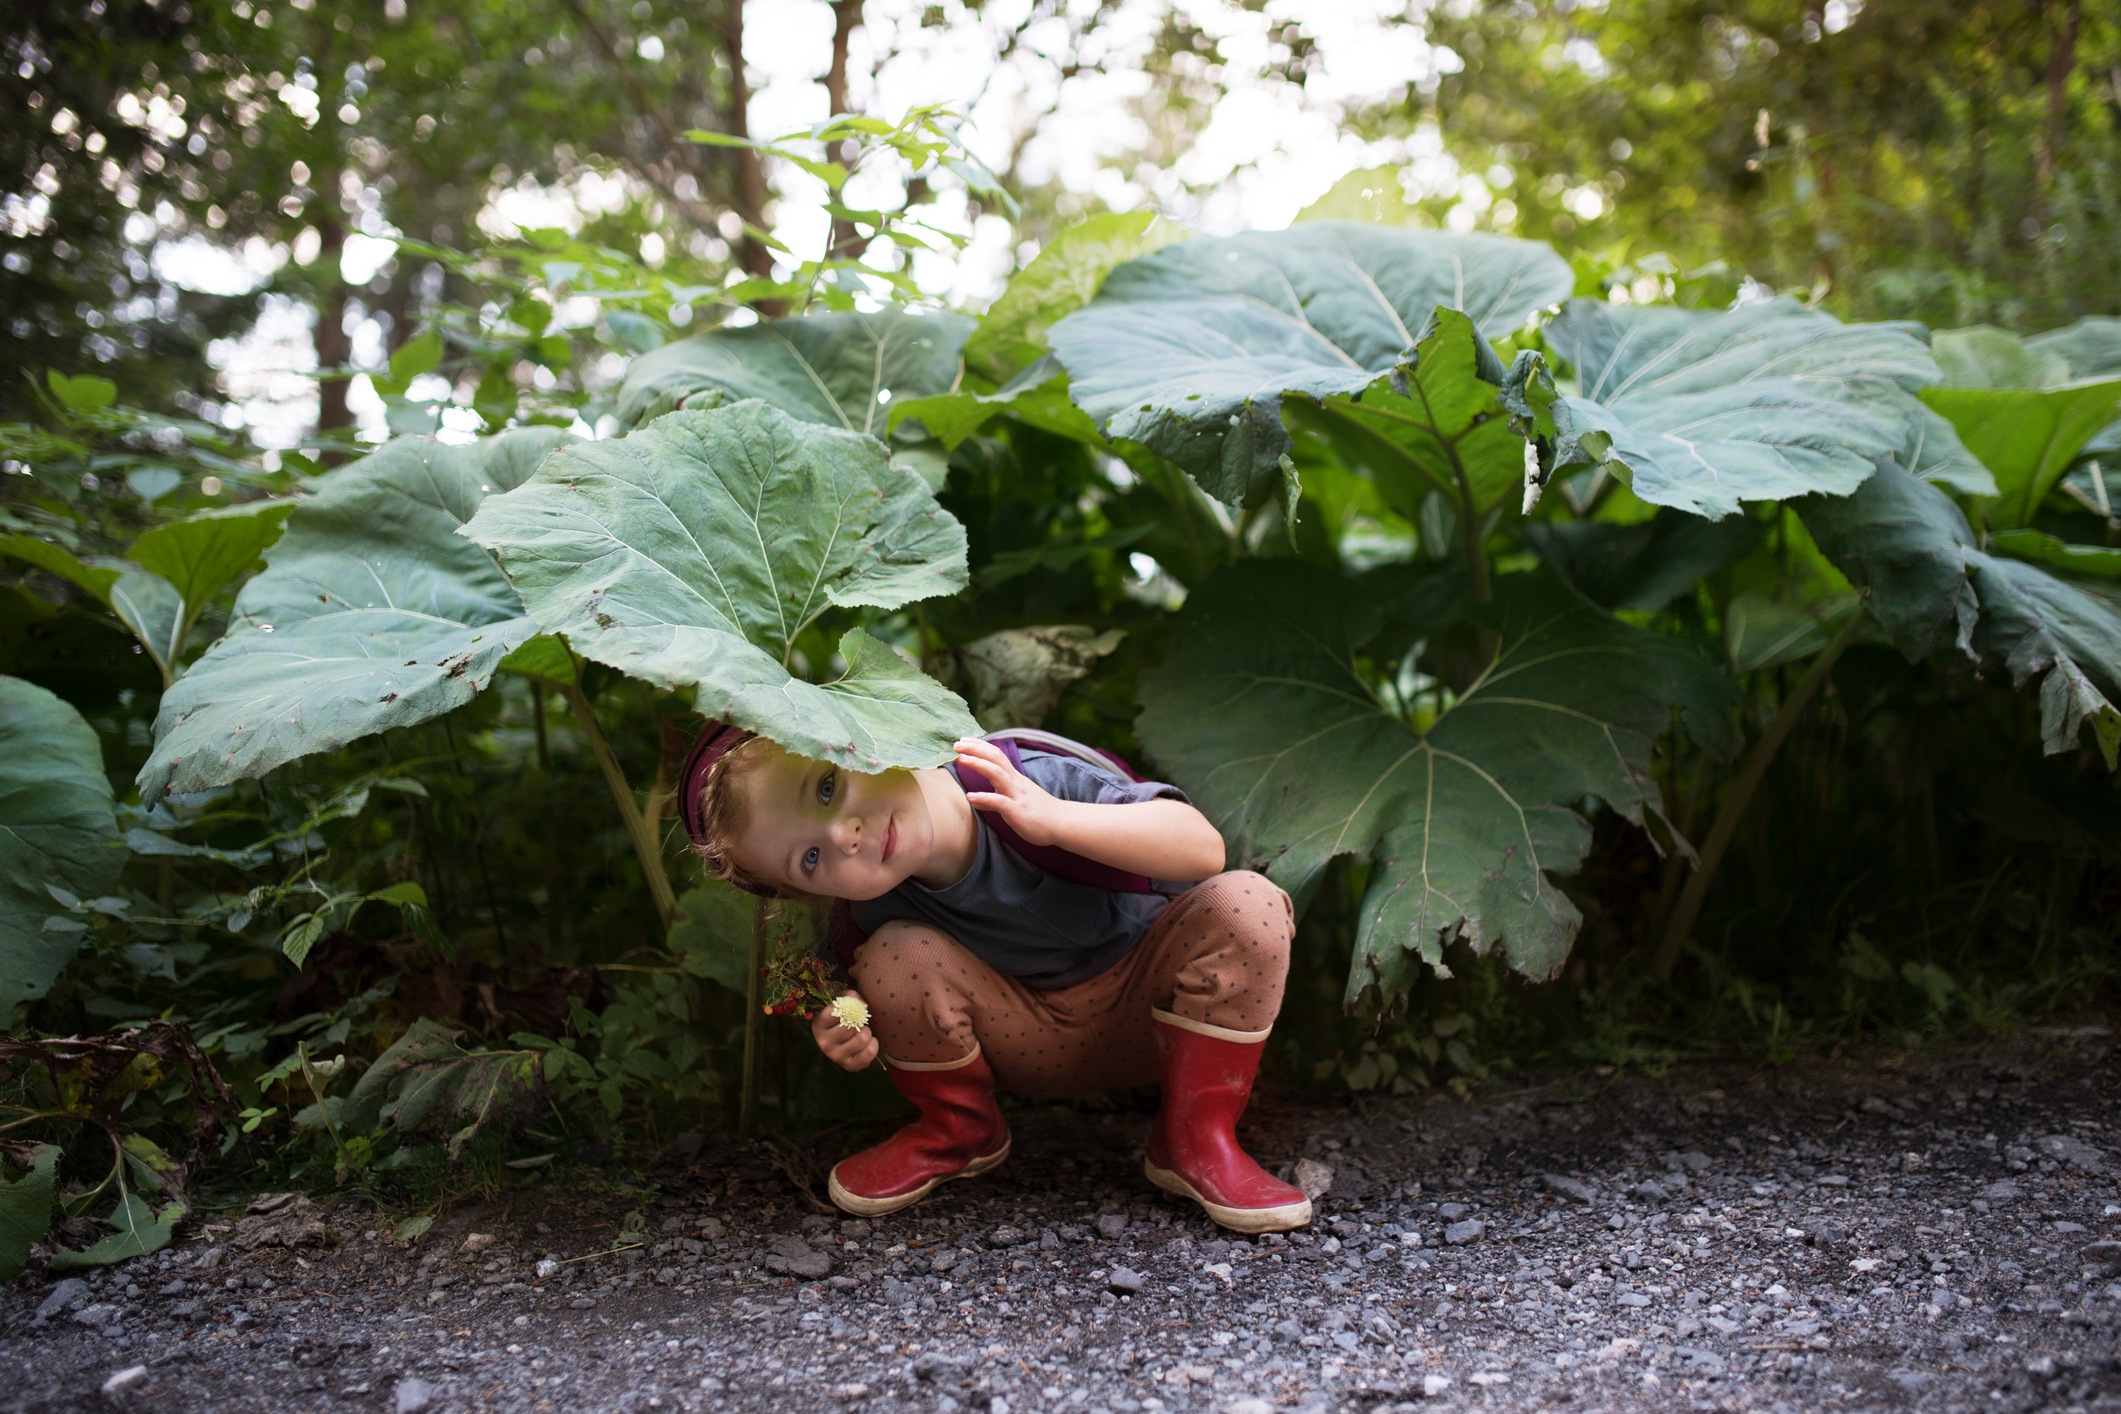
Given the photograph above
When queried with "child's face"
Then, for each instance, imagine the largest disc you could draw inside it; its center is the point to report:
(815, 828)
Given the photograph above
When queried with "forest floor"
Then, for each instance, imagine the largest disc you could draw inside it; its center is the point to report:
(1932, 1232)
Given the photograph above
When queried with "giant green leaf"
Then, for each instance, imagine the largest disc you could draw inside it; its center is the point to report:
(2089, 348)
(1984, 356)
(1263, 714)
(694, 550)
(2026, 437)
(842, 370)
(1064, 277)
(1703, 410)
(1909, 549)
(57, 828)
(1645, 565)
(1436, 425)
(2047, 628)
(371, 613)
(1190, 351)
(26, 1209)
(2101, 561)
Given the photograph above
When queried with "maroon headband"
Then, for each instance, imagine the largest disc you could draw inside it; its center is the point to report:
(717, 741)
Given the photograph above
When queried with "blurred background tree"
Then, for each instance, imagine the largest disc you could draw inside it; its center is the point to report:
(186, 171)
(1950, 160)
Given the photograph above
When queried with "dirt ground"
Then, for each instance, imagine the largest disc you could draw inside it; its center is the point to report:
(1938, 1233)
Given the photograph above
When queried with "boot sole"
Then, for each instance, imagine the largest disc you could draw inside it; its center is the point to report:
(1252, 1220)
(861, 1207)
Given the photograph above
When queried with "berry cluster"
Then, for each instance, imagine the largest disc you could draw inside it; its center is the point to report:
(798, 985)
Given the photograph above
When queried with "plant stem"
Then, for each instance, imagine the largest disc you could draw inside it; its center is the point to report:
(747, 1114)
(1680, 926)
(637, 828)
(331, 1126)
(551, 838)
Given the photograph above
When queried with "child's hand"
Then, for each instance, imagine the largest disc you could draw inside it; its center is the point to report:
(1023, 804)
(846, 1048)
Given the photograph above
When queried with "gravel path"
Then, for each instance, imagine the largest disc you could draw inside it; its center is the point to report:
(1935, 1234)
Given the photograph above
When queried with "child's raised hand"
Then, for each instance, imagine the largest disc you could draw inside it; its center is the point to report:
(1023, 804)
(846, 1047)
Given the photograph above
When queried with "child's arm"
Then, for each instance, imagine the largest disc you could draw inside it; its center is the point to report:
(848, 1049)
(1164, 839)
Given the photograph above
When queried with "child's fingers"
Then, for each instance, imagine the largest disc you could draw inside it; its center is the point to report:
(985, 756)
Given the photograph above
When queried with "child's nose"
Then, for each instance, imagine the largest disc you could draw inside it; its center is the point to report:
(847, 833)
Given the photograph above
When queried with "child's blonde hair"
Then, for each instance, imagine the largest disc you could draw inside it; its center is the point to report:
(722, 816)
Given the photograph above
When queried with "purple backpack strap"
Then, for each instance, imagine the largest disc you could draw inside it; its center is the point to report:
(1061, 863)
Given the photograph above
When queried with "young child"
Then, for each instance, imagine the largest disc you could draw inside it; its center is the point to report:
(1019, 934)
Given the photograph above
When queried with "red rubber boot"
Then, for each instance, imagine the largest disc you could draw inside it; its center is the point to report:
(960, 1132)
(1193, 1151)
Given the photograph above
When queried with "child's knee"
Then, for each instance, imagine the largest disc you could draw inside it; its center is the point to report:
(894, 954)
(1252, 906)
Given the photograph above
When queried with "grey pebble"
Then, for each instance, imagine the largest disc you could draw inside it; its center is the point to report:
(1111, 1225)
(1126, 1281)
(64, 1295)
(1567, 1187)
(791, 1256)
(412, 1395)
(1460, 1233)
(1632, 1298)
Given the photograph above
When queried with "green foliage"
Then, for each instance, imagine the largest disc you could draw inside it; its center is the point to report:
(427, 1083)
(58, 835)
(1065, 276)
(839, 370)
(139, 1230)
(1702, 411)
(372, 613)
(1464, 801)
(1263, 513)
(1190, 351)
(697, 550)
(26, 1208)
(1911, 549)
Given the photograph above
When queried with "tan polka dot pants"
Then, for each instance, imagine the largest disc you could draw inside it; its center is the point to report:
(1218, 954)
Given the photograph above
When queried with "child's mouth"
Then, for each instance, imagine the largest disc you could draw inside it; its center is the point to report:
(890, 839)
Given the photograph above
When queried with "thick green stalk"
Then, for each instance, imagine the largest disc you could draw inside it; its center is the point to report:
(747, 1116)
(645, 844)
(1680, 926)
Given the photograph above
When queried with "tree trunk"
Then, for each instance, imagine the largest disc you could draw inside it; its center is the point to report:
(2063, 24)
(750, 183)
(333, 347)
(846, 19)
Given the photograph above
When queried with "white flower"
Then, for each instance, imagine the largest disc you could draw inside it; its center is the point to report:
(853, 1012)
(1532, 483)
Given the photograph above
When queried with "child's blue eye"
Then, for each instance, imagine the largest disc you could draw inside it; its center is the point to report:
(827, 786)
(810, 857)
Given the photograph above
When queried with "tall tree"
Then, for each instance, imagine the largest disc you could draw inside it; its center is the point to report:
(1910, 156)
